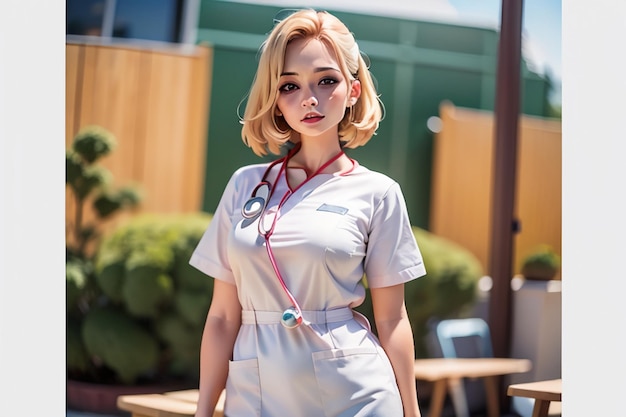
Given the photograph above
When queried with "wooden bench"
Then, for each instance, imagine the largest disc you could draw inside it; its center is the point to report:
(168, 404)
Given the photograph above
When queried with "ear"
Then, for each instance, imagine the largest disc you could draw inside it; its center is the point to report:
(355, 92)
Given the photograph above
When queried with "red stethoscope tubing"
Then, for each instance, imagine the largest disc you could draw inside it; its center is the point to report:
(280, 277)
(267, 234)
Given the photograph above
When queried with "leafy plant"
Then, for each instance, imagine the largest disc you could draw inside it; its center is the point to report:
(542, 263)
(91, 183)
(95, 201)
(148, 321)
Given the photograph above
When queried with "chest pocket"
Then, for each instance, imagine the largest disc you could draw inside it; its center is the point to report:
(335, 229)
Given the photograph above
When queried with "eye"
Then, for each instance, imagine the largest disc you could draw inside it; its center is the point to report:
(328, 81)
(288, 87)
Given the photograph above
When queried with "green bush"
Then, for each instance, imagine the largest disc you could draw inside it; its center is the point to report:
(90, 187)
(449, 288)
(125, 345)
(147, 322)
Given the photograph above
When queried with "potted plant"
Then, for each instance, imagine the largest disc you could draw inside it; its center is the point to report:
(94, 201)
(135, 307)
(89, 185)
(541, 264)
(144, 332)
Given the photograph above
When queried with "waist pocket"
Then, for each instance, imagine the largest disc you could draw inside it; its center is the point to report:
(356, 382)
(243, 391)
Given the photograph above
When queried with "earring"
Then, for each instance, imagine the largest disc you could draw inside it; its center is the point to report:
(278, 113)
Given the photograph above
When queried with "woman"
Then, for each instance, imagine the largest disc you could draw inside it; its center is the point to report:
(291, 240)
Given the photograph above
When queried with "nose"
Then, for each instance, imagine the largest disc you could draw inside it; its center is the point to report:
(310, 101)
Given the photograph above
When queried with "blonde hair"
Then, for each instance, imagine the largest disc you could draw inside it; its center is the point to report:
(262, 129)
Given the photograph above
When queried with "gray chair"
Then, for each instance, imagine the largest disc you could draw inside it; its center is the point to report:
(465, 338)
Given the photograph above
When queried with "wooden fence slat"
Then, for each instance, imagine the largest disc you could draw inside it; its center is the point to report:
(198, 127)
(73, 82)
(167, 139)
(539, 186)
(463, 180)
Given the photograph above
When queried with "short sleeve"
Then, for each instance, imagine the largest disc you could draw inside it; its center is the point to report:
(211, 255)
(392, 256)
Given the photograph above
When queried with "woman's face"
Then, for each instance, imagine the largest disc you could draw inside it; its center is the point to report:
(313, 93)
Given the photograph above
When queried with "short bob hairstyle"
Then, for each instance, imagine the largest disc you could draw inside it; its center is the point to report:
(263, 130)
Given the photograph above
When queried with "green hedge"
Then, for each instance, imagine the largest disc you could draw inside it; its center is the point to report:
(147, 323)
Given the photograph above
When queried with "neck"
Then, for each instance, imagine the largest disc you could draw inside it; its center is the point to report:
(312, 155)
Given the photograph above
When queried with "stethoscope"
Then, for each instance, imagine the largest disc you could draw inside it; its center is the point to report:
(255, 208)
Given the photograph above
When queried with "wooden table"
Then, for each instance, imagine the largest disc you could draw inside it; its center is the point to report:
(168, 404)
(542, 391)
(449, 372)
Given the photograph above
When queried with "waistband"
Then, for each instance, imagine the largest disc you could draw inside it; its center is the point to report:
(310, 316)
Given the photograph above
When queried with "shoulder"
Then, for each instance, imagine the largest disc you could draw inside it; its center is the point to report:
(245, 177)
(253, 172)
(250, 170)
(376, 182)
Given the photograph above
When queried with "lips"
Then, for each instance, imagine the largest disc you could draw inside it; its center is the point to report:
(312, 118)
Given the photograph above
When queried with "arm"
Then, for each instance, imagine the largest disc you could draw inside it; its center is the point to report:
(218, 338)
(396, 337)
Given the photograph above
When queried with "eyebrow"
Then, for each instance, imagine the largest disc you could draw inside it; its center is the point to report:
(320, 69)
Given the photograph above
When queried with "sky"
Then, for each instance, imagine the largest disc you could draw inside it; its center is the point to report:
(541, 36)
(541, 22)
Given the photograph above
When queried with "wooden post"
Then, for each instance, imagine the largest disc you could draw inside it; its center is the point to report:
(507, 110)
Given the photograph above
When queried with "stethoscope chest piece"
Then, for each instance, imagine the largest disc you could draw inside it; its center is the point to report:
(257, 202)
(291, 318)
(253, 207)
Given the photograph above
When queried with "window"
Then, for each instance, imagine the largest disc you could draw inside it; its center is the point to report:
(171, 21)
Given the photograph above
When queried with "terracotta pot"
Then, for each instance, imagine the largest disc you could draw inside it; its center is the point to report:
(102, 398)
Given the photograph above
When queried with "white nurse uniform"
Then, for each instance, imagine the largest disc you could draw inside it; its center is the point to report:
(328, 234)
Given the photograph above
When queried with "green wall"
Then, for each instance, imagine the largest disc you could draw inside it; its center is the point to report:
(417, 65)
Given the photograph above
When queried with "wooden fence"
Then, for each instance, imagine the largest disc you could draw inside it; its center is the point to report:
(463, 180)
(155, 102)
